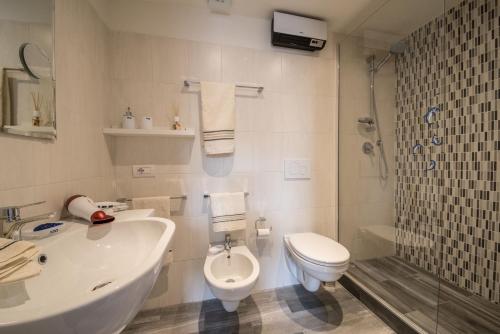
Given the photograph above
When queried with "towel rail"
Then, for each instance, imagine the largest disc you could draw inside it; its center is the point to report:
(171, 197)
(208, 195)
(188, 83)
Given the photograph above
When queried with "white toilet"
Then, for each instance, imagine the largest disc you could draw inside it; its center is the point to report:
(231, 279)
(313, 258)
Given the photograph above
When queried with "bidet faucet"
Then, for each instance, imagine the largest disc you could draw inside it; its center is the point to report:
(12, 215)
(227, 242)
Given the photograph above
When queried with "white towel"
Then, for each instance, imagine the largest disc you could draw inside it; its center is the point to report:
(22, 272)
(16, 260)
(217, 100)
(228, 211)
(161, 205)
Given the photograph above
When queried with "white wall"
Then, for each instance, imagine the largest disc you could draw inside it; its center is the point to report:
(293, 118)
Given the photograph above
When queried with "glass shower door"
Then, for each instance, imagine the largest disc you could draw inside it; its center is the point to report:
(390, 156)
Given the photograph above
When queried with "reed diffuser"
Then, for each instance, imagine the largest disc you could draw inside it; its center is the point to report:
(37, 103)
(177, 120)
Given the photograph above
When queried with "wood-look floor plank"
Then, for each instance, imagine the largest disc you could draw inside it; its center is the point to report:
(425, 299)
(285, 310)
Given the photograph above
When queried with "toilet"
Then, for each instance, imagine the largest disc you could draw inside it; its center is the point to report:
(313, 258)
(232, 278)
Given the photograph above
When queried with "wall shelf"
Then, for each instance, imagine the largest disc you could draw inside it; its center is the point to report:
(155, 132)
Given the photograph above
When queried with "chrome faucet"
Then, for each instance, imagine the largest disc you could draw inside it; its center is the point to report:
(12, 215)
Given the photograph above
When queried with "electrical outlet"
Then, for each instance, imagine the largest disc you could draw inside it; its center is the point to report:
(298, 169)
(143, 171)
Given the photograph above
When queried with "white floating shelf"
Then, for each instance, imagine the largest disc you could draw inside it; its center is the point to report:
(155, 132)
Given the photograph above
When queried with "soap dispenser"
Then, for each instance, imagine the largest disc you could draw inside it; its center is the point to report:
(128, 120)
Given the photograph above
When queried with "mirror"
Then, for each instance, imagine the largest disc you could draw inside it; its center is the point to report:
(27, 81)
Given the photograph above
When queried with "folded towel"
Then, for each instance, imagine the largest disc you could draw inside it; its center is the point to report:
(16, 260)
(27, 270)
(161, 205)
(218, 117)
(12, 249)
(228, 211)
(19, 259)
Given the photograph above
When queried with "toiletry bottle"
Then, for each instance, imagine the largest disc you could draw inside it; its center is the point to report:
(36, 118)
(177, 124)
(128, 120)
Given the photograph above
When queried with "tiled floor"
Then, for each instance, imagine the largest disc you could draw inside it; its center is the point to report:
(285, 310)
(415, 293)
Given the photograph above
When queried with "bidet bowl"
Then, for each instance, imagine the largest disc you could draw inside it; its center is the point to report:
(231, 279)
(95, 279)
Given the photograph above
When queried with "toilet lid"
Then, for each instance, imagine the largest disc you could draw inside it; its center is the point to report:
(318, 248)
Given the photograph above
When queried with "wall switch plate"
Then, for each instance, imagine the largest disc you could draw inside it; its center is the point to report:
(297, 169)
(143, 171)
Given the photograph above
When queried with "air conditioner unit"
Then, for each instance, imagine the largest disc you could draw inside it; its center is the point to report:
(298, 32)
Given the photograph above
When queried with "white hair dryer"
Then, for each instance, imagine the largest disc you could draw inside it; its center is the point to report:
(83, 207)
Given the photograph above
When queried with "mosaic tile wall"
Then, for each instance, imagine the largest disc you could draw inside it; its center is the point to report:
(447, 219)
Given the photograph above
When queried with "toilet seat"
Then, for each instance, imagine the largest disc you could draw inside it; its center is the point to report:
(318, 249)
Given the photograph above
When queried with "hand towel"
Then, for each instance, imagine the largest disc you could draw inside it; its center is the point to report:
(161, 205)
(17, 260)
(22, 258)
(218, 118)
(27, 270)
(11, 249)
(228, 211)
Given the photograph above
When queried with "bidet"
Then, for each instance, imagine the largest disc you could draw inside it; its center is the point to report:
(232, 278)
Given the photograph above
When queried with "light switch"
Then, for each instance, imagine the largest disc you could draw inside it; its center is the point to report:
(143, 171)
(297, 169)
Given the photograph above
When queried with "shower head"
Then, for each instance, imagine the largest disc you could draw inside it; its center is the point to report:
(398, 47)
(395, 49)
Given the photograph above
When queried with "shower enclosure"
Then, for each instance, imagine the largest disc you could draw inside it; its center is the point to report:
(419, 147)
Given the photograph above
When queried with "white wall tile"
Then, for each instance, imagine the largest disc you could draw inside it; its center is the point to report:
(204, 62)
(170, 59)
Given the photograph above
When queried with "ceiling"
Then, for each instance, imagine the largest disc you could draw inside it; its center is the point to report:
(398, 17)
(338, 13)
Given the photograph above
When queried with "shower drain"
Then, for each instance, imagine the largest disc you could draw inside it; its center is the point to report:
(230, 280)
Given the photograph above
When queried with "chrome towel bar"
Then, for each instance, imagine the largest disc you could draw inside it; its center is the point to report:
(188, 83)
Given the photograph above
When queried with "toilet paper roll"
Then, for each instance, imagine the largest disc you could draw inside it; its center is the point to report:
(263, 232)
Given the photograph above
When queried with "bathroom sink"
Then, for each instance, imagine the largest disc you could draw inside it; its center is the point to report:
(95, 279)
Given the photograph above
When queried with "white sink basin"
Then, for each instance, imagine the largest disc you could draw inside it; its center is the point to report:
(95, 279)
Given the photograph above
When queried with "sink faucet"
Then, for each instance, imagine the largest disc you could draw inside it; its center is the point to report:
(12, 215)
(227, 245)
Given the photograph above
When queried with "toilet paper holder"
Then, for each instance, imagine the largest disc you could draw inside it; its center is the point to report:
(261, 221)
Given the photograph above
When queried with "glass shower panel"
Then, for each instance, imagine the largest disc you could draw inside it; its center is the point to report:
(390, 156)
(470, 280)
